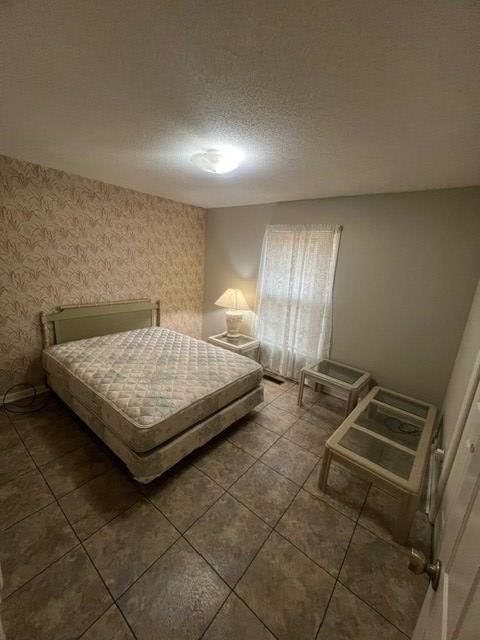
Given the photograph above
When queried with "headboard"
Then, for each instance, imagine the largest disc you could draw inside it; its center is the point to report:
(77, 321)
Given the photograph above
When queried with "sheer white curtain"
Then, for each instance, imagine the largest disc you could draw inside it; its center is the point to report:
(294, 295)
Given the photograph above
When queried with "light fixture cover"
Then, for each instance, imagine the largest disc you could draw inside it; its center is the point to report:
(232, 299)
(216, 161)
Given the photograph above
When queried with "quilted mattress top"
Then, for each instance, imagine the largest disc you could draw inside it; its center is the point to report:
(150, 376)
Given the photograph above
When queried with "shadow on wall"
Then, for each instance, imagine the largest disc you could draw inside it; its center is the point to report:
(234, 261)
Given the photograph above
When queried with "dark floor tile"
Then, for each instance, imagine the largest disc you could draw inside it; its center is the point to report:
(22, 497)
(183, 495)
(286, 590)
(73, 469)
(310, 396)
(269, 394)
(288, 402)
(60, 603)
(290, 460)
(228, 536)
(320, 531)
(177, 597)
(14, 462)
(274, 388)
(54, 411)
(8, 435)
(137, 537)
(348, 618)
(252, 437)
(265, 492)
(379, 515)
(33, 544)
(319, 415)
(235, 621)
(97, 502)
(111, 626)
(276, 419)
(332, 403)
(53, 438)
(377, 571)
(345, 491)
(309, 436)
(223, 462)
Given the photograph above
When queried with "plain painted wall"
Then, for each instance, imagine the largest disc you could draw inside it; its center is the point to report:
(462, 371)
(407, 269)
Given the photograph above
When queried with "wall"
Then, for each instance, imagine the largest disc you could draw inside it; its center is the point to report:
(67, 239)
(407, 270)
(466, 362)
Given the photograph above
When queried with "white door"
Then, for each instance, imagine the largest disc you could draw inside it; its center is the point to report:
(453, 611)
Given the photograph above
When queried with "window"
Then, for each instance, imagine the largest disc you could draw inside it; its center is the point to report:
(294, 295)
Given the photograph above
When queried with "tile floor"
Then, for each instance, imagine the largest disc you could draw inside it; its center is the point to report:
(235, 543)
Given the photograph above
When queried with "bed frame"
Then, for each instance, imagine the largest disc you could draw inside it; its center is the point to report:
(75, 322)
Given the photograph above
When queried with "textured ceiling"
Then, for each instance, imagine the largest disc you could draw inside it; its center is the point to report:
(324, 98)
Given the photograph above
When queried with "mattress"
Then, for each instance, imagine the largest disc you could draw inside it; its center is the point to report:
(145, 466)
(150, 385)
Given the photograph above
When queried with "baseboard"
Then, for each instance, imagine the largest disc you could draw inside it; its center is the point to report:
(26, 393)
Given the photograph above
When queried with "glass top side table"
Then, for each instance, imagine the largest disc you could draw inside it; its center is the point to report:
(335, 374)
(242, 344)
(386, 438)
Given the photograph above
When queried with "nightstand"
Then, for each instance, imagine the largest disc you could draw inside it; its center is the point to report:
(244, 345)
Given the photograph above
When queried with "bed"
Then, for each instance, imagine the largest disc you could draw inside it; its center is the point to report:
(153, 395)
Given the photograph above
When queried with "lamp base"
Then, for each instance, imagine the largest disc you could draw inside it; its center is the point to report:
(234, 320)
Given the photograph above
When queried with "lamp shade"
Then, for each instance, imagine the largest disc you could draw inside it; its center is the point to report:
(232, 299)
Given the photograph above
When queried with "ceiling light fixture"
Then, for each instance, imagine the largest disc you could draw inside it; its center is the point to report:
(216, 161)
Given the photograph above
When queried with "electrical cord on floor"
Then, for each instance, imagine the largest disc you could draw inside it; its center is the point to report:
(397, 426)
(25, 407)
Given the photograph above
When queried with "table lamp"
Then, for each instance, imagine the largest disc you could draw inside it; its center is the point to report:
(234, 301)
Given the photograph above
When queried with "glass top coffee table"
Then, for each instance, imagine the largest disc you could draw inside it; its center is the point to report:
(386, 438)
(337, 375)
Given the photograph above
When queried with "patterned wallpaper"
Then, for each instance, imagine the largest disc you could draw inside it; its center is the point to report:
(66, 239)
